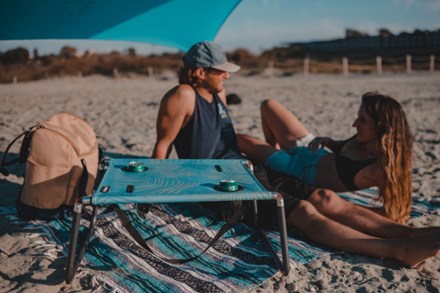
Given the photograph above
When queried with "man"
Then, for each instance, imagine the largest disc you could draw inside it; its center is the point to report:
(192, 116)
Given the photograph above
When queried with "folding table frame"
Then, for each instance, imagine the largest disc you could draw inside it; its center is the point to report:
(172, 181)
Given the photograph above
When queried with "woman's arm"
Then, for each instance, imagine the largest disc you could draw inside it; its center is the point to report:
(323, 141)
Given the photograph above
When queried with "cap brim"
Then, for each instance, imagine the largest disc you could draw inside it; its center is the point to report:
(229, 67)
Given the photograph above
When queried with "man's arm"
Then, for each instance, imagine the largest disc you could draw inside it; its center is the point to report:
(175, 109)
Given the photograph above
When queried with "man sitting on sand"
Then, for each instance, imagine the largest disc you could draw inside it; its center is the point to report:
(193, 117)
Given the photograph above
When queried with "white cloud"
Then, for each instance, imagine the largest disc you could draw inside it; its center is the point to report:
(407, 4)
(258, 36)
(432, 6)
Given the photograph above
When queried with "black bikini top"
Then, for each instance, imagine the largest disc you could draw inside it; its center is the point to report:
(348, 168)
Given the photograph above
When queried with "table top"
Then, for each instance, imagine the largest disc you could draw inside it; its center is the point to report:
(176, 180)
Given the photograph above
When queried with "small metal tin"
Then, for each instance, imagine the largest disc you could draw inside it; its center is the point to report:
(134, 166)
(228, 185)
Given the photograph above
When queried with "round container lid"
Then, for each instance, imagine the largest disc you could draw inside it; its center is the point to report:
(134, 166)
(228, 185)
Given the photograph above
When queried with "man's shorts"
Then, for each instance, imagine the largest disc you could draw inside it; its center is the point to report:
(292, 189)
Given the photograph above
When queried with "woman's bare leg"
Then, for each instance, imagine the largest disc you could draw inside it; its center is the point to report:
(257, 150)
(280, 127)
(325, 231)
(362, 219)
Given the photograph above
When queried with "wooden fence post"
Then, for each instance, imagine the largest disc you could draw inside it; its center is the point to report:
(379, 64)
(345, 66)
(270, 65)
(306, 65)
(150, 71)
(408, 63)
(115, 72)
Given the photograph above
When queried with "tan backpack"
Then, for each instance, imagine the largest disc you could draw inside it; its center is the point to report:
(61, 156)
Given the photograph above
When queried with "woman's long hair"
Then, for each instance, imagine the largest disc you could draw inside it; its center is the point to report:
(395, 143)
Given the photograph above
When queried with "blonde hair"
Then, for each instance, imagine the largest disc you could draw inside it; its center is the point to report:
(395, 143)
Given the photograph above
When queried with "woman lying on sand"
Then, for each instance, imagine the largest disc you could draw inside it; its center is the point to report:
(380, 154)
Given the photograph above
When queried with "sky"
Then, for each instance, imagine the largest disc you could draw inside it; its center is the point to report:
(258, 25)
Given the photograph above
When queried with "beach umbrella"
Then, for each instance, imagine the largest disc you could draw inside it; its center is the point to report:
(173, 23)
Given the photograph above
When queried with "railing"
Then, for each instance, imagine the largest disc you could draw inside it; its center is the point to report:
(373, 64)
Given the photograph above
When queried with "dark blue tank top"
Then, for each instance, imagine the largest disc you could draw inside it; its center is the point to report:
(209, 134)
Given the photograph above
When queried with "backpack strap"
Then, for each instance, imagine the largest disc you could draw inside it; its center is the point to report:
(236, 217)
(83, 180)
(20, 159)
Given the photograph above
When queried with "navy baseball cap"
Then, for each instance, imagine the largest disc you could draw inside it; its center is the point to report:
(208, 54)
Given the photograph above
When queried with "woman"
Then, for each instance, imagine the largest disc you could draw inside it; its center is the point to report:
(380, 153)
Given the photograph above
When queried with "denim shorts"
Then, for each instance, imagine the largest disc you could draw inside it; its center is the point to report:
(300, 162)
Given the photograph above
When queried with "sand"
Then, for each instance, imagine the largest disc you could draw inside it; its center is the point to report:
(123, 112)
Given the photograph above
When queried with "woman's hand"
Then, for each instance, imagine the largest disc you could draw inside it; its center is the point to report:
(319, 142)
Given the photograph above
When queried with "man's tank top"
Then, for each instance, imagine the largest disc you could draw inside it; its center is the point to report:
(209, 134)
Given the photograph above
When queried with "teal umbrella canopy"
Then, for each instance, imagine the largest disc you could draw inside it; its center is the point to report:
(173, 23)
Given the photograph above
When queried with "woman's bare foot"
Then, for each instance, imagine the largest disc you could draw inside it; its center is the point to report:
(416, 250)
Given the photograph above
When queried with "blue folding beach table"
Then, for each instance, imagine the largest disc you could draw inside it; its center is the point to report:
(149, 181)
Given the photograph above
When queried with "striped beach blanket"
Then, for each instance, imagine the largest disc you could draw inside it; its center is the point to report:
(368, 197)
(237, 262)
